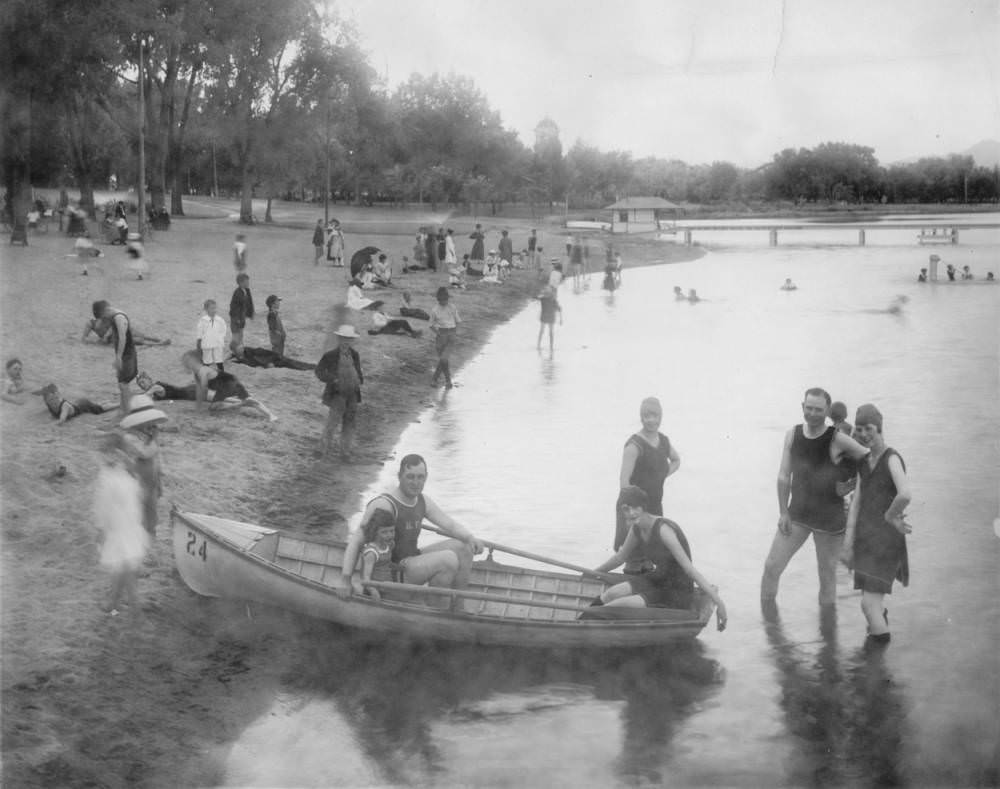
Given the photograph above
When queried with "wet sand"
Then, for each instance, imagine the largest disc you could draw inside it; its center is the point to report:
(151, 696)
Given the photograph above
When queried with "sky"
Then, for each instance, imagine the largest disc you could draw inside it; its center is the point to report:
(710, 80)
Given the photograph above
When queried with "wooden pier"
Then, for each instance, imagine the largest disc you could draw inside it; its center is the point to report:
(937, 232)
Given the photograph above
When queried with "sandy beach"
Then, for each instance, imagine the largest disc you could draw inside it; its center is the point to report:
(146, 697)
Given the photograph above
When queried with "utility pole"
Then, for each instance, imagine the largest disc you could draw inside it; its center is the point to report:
(142, 144)
(326, 186)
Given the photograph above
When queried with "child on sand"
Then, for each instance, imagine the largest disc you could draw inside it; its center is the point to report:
(376, 554)
(142, 427)
(84, 249)
(64, 410)
(456, 272)
(444, 324)
(407, 310)
(211, 335)
(14, 393)
(275, 328)
(240, 253)
(118, 518)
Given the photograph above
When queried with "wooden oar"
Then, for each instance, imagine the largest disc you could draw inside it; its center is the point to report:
(493, 546)
(470, 595)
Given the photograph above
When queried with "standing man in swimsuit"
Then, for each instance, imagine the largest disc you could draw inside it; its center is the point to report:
(444, 564)
(126, 361)
(808, 501)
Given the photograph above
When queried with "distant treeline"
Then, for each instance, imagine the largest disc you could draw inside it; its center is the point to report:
(268, 99)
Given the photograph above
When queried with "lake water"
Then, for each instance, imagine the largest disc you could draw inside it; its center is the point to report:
(526, 452)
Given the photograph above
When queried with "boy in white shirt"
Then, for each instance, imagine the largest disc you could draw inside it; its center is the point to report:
(211, 336)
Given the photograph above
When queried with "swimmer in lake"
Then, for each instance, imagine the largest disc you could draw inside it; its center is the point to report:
(679, 294)
(693, 296)
(789, 285)
(896, 307)
(922, 276)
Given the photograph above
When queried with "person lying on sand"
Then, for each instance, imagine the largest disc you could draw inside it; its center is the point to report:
(64, 410)
(385, 325)
(407, 310)
(226, 389)
(159, 390)
(101, 328)
(14, 393)
(264, 357)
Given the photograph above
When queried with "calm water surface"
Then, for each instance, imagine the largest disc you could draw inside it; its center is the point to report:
(526, 452)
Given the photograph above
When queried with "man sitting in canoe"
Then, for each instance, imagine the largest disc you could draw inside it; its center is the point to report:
(669, 584)
(444, 564)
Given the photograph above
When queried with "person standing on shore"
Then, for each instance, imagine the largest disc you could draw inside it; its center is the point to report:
(117, 513)
(340, 370)
(126, 361)
(240, 253)
(506, 249)
(808, 501)
(318, 242)
(275, 327)
(477, 258)
(532, 247)
(444, 324)
(450, 255)
(210, 336)
(430, 250)
(647, 460)
(240, 311)
(142, 428)
(875, 541)
(335, 244)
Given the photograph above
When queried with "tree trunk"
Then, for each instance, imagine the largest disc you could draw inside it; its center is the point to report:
(267, 211)
(246, 196)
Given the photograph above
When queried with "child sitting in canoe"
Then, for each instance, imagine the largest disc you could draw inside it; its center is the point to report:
(671, 583)
(376, 553)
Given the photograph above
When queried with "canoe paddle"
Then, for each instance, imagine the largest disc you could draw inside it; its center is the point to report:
(493, 546)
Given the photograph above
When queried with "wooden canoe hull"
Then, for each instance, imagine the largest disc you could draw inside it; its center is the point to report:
(217, 557)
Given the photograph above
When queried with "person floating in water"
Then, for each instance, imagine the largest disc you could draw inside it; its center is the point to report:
(922, 276)
(896, 307)
(679, 294)
(693, 296)
(789, 285)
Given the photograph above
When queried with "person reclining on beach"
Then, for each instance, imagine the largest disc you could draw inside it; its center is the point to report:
(226, 389)
(159, 390)
(101, 328)
(15, 391)
(407, 310)
(445, 564)
(671, 583)
(264, 357)
(64, 410)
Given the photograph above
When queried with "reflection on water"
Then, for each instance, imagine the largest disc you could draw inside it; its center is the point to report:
(843, 707)
(433, 715)
(527, 450)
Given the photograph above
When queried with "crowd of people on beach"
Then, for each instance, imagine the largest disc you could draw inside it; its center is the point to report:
(840, 484)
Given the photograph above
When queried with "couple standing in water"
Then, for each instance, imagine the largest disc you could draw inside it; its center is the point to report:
(869, 536)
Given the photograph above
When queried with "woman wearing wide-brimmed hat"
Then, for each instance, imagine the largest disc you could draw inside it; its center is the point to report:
(340, 370)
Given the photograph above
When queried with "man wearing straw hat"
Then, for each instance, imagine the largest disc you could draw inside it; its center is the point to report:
(141, 427)
(340, 370)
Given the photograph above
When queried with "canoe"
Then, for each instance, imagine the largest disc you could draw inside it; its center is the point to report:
(503, 605)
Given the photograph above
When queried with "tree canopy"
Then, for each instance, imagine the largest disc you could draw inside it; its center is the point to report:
(262, 99)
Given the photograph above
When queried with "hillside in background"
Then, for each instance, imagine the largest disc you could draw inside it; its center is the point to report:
(986, 153)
